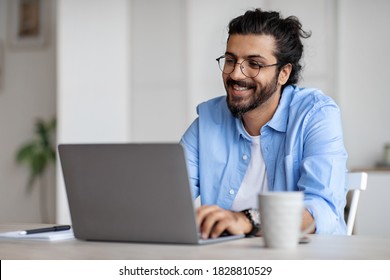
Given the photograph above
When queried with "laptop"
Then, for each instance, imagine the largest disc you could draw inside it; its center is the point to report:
(131, 193)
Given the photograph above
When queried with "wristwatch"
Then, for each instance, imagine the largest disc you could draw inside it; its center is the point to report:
(254, 218)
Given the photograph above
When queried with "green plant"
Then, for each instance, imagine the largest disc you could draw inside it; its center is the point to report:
(38, 154)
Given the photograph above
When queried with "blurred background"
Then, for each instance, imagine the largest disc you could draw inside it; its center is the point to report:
(134, 71)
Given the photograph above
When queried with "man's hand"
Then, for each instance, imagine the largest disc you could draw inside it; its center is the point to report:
(308, 223)
(213, 221)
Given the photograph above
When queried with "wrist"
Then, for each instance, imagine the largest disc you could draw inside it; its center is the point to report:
(253, 221)
(246, 223)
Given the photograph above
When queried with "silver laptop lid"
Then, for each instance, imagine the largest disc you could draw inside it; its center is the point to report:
(129, 192)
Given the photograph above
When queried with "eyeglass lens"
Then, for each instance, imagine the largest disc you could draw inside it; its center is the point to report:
(250, 68)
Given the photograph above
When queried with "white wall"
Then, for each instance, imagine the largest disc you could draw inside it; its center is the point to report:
(28, 92)
(158, 34)
(93, 76)
(364, 45)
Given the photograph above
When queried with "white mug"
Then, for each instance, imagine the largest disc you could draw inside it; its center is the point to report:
(281, 218)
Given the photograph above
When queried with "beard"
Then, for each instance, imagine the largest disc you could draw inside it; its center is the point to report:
(238, 106)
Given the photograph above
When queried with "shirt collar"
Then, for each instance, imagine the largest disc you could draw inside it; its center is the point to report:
(280, 118)
(240, 129)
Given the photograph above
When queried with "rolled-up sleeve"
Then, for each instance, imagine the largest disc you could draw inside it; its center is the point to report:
(323, 169)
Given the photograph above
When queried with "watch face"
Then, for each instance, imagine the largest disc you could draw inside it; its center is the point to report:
(255, 215)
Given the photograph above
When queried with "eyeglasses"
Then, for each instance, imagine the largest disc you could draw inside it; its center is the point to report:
(249, 67)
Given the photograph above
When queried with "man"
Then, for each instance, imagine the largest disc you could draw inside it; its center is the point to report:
(266, 134)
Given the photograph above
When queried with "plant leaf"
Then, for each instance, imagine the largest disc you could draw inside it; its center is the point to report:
(38, 153)
(26, 152)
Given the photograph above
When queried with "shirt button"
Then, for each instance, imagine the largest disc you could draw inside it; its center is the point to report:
(231, 191)
(244, 157)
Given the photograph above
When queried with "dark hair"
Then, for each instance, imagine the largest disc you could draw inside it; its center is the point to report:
(287, 33)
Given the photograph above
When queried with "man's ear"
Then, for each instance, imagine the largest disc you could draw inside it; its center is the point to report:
(284, 74)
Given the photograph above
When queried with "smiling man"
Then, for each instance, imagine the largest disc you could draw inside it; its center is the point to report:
(267, 134)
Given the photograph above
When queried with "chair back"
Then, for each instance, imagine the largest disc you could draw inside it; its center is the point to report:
(356, 182)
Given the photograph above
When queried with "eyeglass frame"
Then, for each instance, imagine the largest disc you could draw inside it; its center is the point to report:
(242, 67)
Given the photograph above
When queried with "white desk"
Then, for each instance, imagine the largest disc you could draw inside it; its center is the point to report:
(321, 247)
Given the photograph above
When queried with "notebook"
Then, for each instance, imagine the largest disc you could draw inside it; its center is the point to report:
(131, 193)
(46, 236)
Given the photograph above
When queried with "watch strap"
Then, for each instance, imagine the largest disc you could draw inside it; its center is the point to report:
(253, 217)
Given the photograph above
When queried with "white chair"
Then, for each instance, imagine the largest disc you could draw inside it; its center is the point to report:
(356, 182)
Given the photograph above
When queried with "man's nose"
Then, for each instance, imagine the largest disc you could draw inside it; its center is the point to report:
(237, 73)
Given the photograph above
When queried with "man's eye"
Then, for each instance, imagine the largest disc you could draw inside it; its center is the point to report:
(254, 64)
(230, 61)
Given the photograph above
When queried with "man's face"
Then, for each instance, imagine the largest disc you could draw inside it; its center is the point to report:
(245, 94)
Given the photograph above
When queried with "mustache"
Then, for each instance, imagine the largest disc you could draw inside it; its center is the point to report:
(231, 82)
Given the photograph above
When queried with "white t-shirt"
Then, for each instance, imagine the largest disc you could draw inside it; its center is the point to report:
(255, 179)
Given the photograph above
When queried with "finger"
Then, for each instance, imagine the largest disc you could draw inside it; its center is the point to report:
(209, 223)
(219, 228)
(228, 222)
(210, 216)
(203, 211)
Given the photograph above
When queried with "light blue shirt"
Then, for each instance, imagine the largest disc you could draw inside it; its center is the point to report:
(302, 146)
